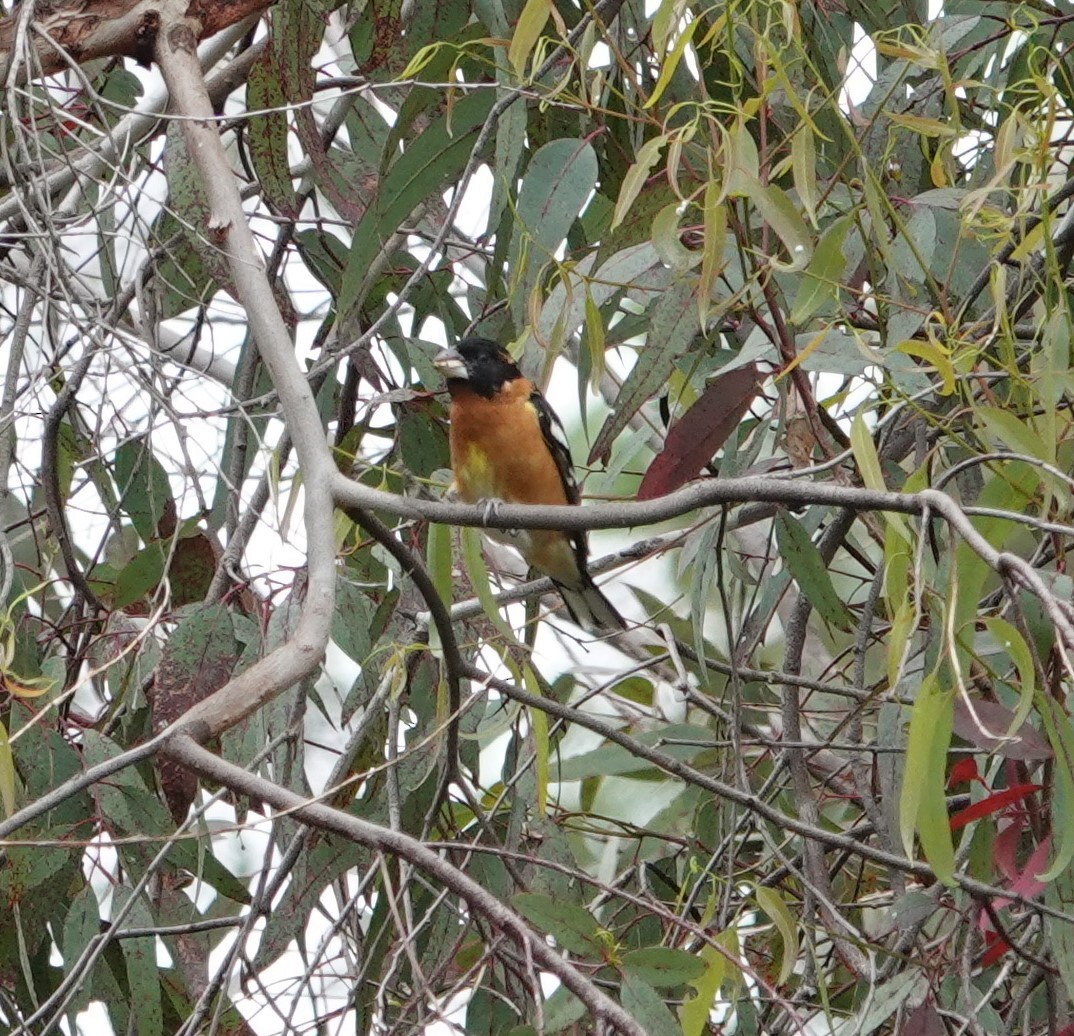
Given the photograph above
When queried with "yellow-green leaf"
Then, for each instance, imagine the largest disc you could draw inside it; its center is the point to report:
(770, 901)
(528, 29)
(7, 773)
(922, 805)
(636, 175)
(539, 726)
(438, 560)
(694, 1013)
(1057, 727)
(1013, 643)
(474, 562)
(804, 171)
(671, 63)
(864, 450)
(713, 260)
(820, 283)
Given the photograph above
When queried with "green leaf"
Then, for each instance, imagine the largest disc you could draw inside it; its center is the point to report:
(670, 63)
(779, 213)
(430, 161)
(1060, 932)
(922, 803)
(645, 1004)
(7, 773)
(887, 998)
(143, 974)
(438, 558)
(663, 967)
(694, 1013)
(804, 169)
(771, 902)
(821, 280)
(636, 175)
(351, 619)
(573, 927)
(678, 740)
(1016, 433)
(672, 329)
(510, 146)
(139, 576)
(267, 134)
(665, 235)
(561, 1010)
(477, 573)
(528, 28)
(557, 183)
(1061, 737)
(187, 201)
(539, 732)
(80, 926)
(805, 564)
(1011, 641)
(145, 494)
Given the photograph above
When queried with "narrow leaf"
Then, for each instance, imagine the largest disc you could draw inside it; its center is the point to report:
(770, 901)
(7, 773)
(699, 433)
(531, 23)
(805, 564)
(673, 327)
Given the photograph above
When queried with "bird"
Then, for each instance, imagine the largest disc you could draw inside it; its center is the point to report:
(508, 446)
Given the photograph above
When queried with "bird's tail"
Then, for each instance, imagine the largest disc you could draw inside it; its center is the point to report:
(590, 609)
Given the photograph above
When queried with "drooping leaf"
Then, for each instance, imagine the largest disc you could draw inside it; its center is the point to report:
(770, 901)
(698, 434)
(557, 182)
(646, 1005)
(197, 660)
(694, 1013)
(805, 564)
(431, 161)
(145, 494)
(672, 327)
(267, 134)
(922, 805)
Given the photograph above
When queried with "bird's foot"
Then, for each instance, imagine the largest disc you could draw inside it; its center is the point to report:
(491, 512)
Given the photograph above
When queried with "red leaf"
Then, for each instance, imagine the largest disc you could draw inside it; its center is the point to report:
(1027, 884)
(963, 771)
(991, 804)
(1027, 743)
(997, 947)
(700, 432)
(1004, 848)
(924, 1020)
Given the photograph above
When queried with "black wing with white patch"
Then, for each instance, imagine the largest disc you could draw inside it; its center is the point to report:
(556, 439)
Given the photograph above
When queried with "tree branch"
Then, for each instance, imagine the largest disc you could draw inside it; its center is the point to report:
(402, 846)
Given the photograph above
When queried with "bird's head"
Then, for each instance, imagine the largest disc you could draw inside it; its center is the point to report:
(480, 364)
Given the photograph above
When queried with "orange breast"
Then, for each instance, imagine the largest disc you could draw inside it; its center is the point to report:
(498, 451)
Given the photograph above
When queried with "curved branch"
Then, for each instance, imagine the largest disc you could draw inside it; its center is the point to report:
(90, 29)
(176, 54)
(601, 1007)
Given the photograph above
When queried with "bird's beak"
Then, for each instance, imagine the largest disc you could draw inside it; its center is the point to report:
(451, 364)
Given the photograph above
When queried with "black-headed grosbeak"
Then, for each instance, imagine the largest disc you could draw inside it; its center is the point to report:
(508, 445)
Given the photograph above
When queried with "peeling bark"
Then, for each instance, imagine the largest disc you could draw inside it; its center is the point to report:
(83, 30)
